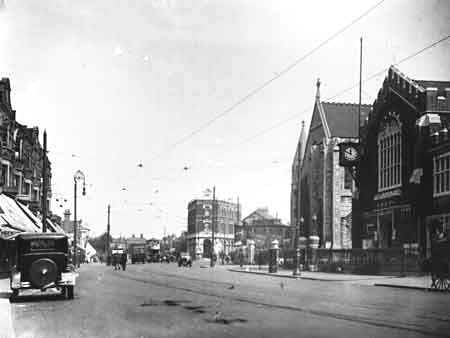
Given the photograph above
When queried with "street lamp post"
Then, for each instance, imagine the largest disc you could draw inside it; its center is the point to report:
(296, 271)
(108, 229)
(44, 184)
(76, 177)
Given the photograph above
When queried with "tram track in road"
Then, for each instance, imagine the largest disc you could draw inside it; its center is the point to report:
(194, 279)
(407, 327)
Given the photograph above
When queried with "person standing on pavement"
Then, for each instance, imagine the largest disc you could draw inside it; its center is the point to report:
(241, 258)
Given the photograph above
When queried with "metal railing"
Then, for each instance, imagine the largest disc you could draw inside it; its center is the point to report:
(392, 261)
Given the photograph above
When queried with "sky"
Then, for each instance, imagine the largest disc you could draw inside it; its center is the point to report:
(126, 90)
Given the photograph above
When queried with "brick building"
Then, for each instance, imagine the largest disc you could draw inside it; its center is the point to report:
(200, 222)
(21, 156)
(325, 187)
(68, 225)
(404, 174)
(263, 228)
(436, 182)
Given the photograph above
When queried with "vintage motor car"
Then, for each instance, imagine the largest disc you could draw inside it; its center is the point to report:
(184, 260)
(41, 261)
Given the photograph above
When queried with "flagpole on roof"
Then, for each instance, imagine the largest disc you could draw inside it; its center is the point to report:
(356, 206)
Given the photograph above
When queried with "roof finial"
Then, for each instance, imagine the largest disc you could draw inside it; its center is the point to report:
(318, 89)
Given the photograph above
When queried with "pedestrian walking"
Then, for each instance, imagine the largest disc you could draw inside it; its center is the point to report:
(115, 261)
(124, 261)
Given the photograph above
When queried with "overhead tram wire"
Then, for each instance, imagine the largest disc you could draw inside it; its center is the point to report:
(296, 115)
(265, 84)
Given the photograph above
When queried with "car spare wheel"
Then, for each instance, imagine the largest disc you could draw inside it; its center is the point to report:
(43, 272)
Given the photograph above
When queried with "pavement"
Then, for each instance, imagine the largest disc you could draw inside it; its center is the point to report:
(418, 282)
(6, 329)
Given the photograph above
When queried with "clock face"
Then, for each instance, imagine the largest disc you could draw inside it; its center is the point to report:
(350, 153)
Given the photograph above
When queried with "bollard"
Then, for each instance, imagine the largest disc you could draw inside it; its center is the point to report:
(274, 252)
(313, 243)
(302, 241)
(251, 251)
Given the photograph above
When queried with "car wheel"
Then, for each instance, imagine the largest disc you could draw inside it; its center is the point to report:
(42, 272)
(15, 294)
(69, 292)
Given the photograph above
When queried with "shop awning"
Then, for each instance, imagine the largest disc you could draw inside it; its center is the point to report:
(14, 216)
(54, 227)
(36, 221)
(90, 251)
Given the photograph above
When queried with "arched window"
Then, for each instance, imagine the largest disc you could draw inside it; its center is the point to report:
(390, 153)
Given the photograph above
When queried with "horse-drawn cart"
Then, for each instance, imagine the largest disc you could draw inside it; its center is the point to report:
(440, 264)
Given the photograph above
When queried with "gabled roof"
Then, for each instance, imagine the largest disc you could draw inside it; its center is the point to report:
(337, 119)
(262, 213)
(342, 118)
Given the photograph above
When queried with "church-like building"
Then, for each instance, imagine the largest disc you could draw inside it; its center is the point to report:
(321, 190)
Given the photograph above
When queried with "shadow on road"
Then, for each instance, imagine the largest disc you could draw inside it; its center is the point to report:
(167, 302)
(226, 321)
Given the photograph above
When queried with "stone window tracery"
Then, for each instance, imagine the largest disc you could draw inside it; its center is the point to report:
(390, 153)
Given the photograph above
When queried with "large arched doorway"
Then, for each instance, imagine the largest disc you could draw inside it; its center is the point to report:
(206, 248)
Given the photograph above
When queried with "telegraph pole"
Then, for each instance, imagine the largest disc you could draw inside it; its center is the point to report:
(238, 211)
(75, 221)
(108, 229)
(213, 225)
(238, 218)
(45, 184)
(360, 89)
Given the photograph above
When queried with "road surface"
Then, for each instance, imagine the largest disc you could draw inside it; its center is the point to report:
(162, 300)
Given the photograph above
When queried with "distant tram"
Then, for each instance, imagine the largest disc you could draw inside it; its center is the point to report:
(153, 251)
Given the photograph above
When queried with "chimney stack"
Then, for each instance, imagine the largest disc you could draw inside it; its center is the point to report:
(5, 92)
